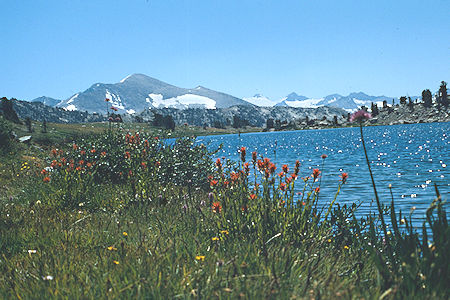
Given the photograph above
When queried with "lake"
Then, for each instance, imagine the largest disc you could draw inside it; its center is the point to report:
(411, 157)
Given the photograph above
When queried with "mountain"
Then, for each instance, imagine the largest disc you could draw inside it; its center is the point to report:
(138, 92)
(47, 101)
(350, 103)
(260, 100)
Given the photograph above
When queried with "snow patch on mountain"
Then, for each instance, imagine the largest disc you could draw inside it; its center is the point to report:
(183, 101)
(308, 103)
(123, 80)
(70, 107)
(260, 100)
(72, 98)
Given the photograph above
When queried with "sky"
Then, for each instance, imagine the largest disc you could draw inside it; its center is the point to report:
(57, 48)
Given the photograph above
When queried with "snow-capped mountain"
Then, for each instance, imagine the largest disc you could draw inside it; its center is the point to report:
(350, 103)
(47, 101)
(138, 92)
(260, 100)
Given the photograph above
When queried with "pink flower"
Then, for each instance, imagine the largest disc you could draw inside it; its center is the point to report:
(360, 116)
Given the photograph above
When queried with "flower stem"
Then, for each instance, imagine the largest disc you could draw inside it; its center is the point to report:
(380, 211)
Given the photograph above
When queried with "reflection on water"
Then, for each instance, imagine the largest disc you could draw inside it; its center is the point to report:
(410, 157)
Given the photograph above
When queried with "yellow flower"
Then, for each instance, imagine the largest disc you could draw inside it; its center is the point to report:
(111, 248)
(200, 257)
(125, 233)
(224, 232)
(329, 240)
(215, 238)
(115, 262)
(346, 247)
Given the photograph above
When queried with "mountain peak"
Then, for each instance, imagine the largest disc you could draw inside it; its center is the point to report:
(295, 97)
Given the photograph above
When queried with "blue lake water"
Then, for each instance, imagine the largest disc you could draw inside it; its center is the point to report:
(411, 157)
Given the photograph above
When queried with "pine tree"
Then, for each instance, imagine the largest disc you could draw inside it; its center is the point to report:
(443, 96)
(427, 98)
(402, 100)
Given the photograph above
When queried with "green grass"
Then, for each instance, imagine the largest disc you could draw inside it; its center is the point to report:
(97, 232)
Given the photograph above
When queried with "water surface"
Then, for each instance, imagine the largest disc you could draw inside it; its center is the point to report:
(412, 158)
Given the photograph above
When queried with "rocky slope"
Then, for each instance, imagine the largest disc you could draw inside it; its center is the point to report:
(417, 113)
(39, 112)
(254, 116)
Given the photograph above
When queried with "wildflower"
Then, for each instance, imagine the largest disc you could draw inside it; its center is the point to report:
(297, 167)
(247, 168)
(114, 108)
(282, 186)
(234, 176)
(288, 180)
(48, 277)
(200, 257)
(107, 100)
(252, 196)
(344, 177)
(82, 152)
(115, 262)
(329, 241)
(219, 164)
(74, 147)
(324, 156)
(31, 252)
(46, 179)
(243, 150)
(316, 173)
(254, 156)
(213, 183)
(281, 174)
(285, 168)
(93, 150)
(360, 116)
(216, 207)
(111, 248)
(244, 209)
(294, 176)
(215, 238)
(224, 232)
(272, 168)
(44, 171)
(346, 247)
(317, 190)
(88, 164)
(125, 233)
(143, 165)
(127, 155)
(54, 152)
(78, 168)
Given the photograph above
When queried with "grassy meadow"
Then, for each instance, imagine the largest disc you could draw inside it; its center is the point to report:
(89, 212)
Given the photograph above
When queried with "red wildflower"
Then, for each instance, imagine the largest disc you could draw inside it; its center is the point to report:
(282, 186)
(260, 164)
(243, 150)
(93, 150)
(82, 152)
(143, 165)
(46, 179)
(297, 167)
(44, 171)
(281, 174)
(146, 144)
(75, 147)
(127, 155)
(317, 190)
(107, 100)
(254, 156)
(213, 183)
(103, 153)
(244, 209)
(272, 168)
(288, 180)
(54, 152)
(219, 164)
(78, 168)
(81, 162)
(252, 196)
(316, 173)
(344, 177)
(234, 176)
(285, 168)
(294, 176)
(216, 207)
(324, 156)
(88, 165)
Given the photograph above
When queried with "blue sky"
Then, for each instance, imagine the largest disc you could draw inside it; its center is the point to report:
(315, 48)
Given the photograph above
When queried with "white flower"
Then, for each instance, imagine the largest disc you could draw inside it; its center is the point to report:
(48, 277)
